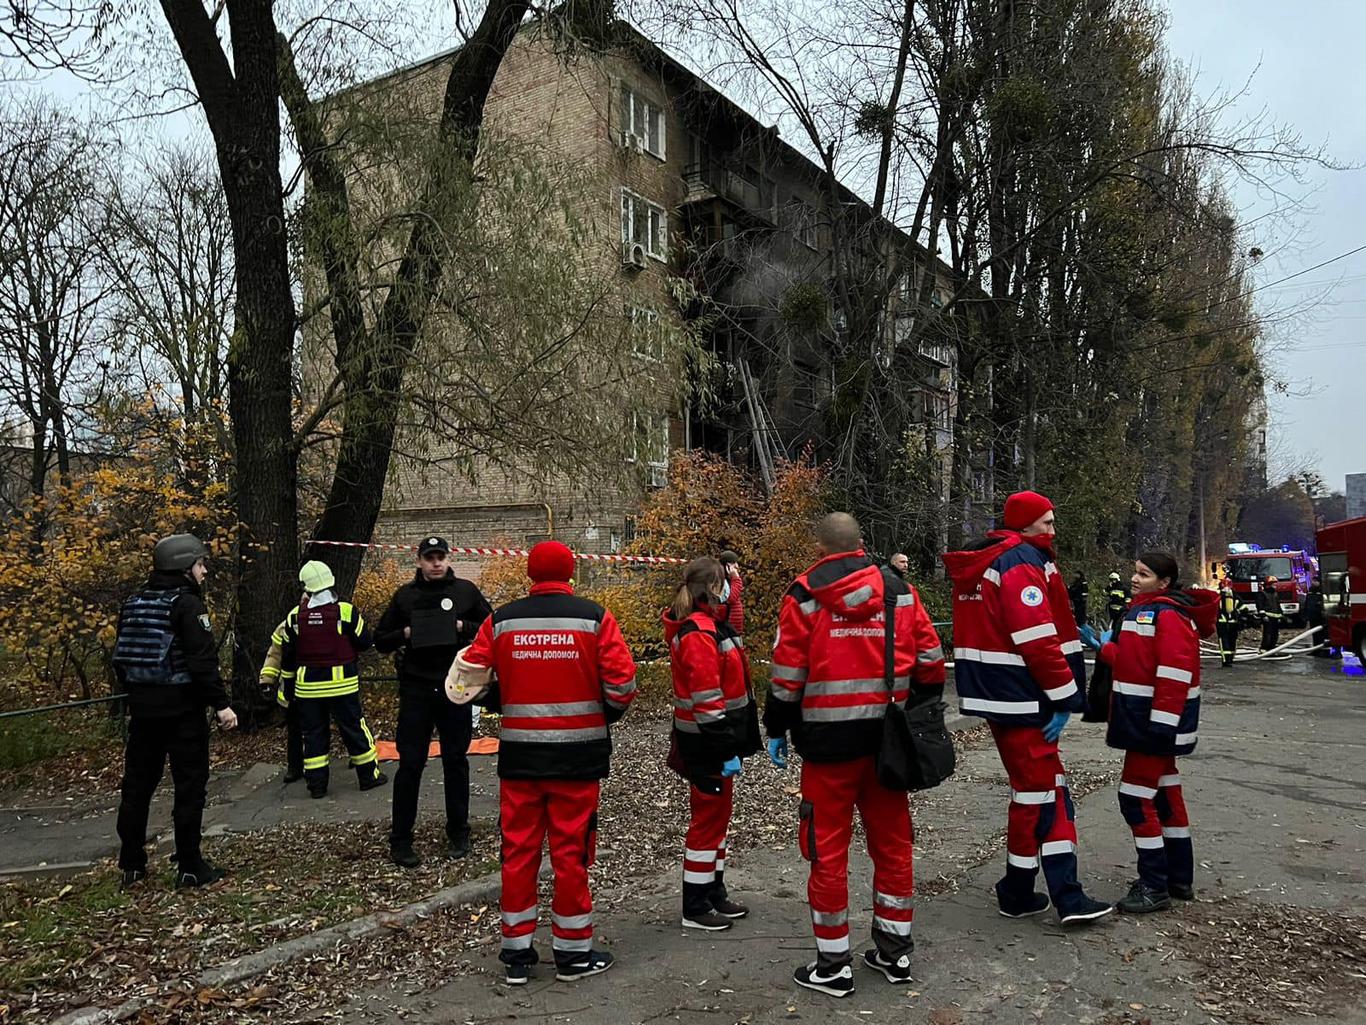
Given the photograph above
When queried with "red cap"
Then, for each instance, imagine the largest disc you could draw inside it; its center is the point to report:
(1024, 507)
(550, 560)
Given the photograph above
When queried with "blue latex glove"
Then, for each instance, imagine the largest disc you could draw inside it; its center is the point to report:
(731, 767)
(777, 752)
(1053, 730)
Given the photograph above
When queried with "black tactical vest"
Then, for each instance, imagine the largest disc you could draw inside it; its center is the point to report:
(147, 650)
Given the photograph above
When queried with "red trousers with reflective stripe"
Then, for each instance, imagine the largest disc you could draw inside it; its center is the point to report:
(705, 853)
(1040, 814)
(565, 812)
(1154, 806)
(830, 793)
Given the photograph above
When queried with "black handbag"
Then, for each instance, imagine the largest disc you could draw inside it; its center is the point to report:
(1098, 691)
(916, 752)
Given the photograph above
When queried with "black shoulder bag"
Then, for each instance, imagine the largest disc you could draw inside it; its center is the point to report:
(916, 752)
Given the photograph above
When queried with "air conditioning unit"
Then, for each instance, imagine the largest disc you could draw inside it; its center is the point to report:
(633, 142)
(659, 475)
(633, 255)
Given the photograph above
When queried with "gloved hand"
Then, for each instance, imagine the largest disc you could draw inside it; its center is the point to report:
(731, 767)
(777, 752)
(1053, 730)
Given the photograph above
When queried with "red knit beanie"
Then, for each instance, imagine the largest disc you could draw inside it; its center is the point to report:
(550, 560)
(1024, 507)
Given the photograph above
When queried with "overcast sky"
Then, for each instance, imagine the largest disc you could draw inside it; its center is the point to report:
(1304, 61)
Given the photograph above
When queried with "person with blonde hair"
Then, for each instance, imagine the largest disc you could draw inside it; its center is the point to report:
(715, 725)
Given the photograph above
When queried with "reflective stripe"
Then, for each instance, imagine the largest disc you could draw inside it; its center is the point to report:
(703, 697)
(1133, 690)
(572, 921)
(699, 877)
(554, 736)
(316, 762)
(567, 943)
(995, 658)
(1165, 718)
(682, 725)
(517, 942)
(692, 855)
(935, 654)
(1192, 694)
(553, 709)
(1177, 832)
(902, 600)
(1033, 633)
(1022, 860)
(1005, 707)
(830, 918)
(839, 946)
(709, 716)
(620, 689)
(1054, 847)
(782, 693)
(824, 688)
(843, 713)
(546, 624)
(993, 575)
(1135, 790)
(1071, 647)
(1060, 780)
(1148, 843)
(1049, 570)
(794, 673)
(891, 925)
(1033, 796)
(734, 703)
(1172, 673)
(1061, 693)
(1142, 629)
(729, 644)
(857, 596)
(1174, 780)
(518, 917)
(889, 901)
(809, 607)
(1186, 738)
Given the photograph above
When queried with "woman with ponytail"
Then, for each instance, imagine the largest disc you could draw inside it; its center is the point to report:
(715, 724)
(1154, 718)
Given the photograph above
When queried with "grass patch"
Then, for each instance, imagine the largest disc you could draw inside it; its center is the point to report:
(36, 738)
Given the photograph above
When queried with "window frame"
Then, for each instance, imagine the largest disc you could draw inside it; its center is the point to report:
(631, 102)
(657, 246)
(647, 337)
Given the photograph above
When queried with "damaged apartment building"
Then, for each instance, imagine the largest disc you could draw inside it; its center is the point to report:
(707, 194)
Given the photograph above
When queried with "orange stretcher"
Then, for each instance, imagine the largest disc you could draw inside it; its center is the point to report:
(388, 750)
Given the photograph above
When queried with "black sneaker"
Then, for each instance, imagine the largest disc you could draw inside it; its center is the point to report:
(1084, 910)
(1035, 904)
(707, 921)
(839, 983)
(896, 971)
(458, 846)
(1181, 891)
(377, 780)
(594, 963)
(292, 774)
(517, 974)
(1143, 899)
(131, 877)
(403, 855)
(727, 907)
(204, 875)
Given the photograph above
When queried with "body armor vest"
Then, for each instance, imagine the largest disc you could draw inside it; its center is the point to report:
(146, 649)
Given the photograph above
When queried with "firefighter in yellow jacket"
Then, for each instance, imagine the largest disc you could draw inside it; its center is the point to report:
(322, 638)
(270, 685)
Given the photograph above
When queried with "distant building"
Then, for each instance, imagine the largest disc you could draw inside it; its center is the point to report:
(1356, 495)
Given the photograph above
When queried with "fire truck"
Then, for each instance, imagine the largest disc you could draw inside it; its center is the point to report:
(1248, 566)
(1342, 561)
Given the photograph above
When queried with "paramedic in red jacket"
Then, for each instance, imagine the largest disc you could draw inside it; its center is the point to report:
(829, 692)
(1018, 664)
(715, 724)
(563, 673)
(733, 591)
(1154, 718)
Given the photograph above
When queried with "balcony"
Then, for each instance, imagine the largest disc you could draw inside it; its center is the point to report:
(746, 193)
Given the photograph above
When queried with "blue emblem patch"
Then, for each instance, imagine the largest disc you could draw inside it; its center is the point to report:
(1145, 617)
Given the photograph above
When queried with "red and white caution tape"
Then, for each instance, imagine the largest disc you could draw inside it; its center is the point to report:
(515, 553)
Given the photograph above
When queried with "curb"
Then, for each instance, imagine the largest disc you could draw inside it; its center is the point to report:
(482, 889)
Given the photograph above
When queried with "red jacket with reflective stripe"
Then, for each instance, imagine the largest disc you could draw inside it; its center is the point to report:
(828, 684)
(735, 604)
(1017, 655)
(1155, 701)
(714, 713)
(563, 672)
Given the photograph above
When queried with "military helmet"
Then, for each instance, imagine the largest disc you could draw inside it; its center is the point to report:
(178, 552)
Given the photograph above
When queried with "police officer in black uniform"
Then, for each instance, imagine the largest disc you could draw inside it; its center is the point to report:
(166, 661)
(428, 620)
